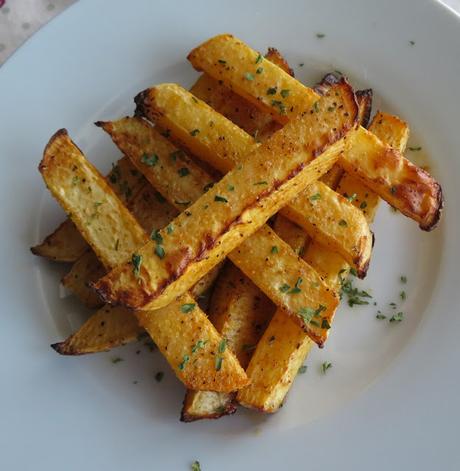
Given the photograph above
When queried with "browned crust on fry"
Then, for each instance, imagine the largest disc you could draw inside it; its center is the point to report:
(63, 348)
(273, 55)
(436, 215)
(364, 99)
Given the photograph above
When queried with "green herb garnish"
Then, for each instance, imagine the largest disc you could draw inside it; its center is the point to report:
(200, 344)
(185, 360)
(188, 307)
(343, 223)
(325, 366)
(194, 132)
(262, 182)
(274, 249)
(150, 160)
(170, 229)
(159, 376)
(403, 279)
(415, 149)
(320, 35)
(219, 363)
(397, 317)
(259, 59)
(402, 295)
(116, 360)
(272, 91)
(220, 199)
(221, 61)
(315, 197)
(363, 205)
(160, 251)
(302, 370)
(196, 466)
(136, 260)
(249, 76)
(285, 93)
(259, 70)
(156, 236)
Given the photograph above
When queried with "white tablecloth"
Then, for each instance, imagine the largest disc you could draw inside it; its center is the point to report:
(19, 19)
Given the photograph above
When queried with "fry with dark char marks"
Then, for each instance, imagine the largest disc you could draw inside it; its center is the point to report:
(248, 206)
(273, 367)
(222, 144)
(383, 169)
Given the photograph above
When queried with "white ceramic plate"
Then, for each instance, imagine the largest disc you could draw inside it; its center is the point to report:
(391, 397)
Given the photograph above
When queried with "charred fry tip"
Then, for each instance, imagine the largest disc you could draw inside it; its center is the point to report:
(364, 98)
(101, 124)
(436, 216)
(61, 348)
(46, 154)
(141, 103)
(229, 409)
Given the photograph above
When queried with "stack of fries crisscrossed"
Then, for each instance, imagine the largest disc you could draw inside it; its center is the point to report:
(250, 186)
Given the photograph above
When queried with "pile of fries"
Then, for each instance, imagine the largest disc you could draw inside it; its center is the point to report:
(250, 186)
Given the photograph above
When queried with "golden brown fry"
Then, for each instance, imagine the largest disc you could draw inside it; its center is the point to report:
(88, 198)
(160, 280)
(274, 367)
(383, 169)
(85, 270)
(178, 328)
(240, 313)
(134, 135)
(224, 145)
(66, 244)
(151, 211)
(109, 327)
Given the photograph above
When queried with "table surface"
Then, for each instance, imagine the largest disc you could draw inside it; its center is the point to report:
(19, 19)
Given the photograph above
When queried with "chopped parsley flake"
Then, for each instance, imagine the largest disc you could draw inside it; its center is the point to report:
(188, 307)
(403, 279)
(183, 172)
(274, 249)
(150, 160)
(259, 59)
(220, 199)
(412, 43)
(185, 360)
(200, 344)
(194, 132)
(116, 360)
(351, 198)
(316, 106)
(320, 35)
(397, 317)
(285, 93)
(402, 295)
(196, 466)
(380, 316)
(159, 376)
(156, 236)
(325, 324)
(230, 188)
(415, 149)
(249, 76)
(222, 346)
(363, 205)
(280, 105)
(284, 288)
(343, 223)
(160, 251)
(219, 363)
(136, 260)
(325, 366)
(221, 61)
(272, 91)
(354, 295)
(170, 229)
(315, 197)
(259, 70)
(262, 182)
(302, 370)
(117, 244)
